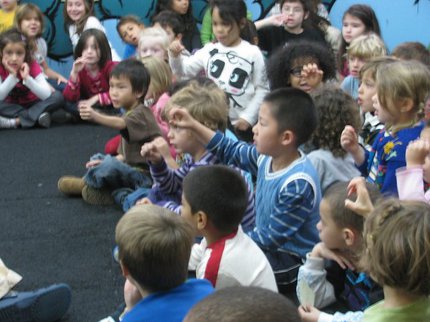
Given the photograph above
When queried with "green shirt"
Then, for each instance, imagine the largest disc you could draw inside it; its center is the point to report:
(418, 311)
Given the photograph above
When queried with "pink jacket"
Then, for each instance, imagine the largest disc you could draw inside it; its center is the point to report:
(410, 184)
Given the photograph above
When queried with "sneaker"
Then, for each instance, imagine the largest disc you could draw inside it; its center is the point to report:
(98, 197)
(6, 123)
(44, 120)
(71, 186)
(44, 305)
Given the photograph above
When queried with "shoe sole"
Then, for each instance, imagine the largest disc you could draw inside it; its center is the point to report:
(44, 120)
(50, 305)
(97, 197)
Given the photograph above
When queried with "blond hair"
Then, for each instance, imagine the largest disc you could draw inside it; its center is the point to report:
(374, 64)
(367, 46)
(208, 104)
(161, 75)
(155, 32)
(154, 245)
(397, 240)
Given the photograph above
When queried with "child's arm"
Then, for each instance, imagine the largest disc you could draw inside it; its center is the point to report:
(53, 74)
(89, 114)
(183, 66)
(349, 142)
(72, 92)
(7, 85)
(39, 86)
(273, 20)
(311, 314)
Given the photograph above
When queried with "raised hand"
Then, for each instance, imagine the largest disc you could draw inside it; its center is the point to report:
(176, 48)
(416, 152)
(24, 71)
(362, 205)
(313, 75)
(150, 153)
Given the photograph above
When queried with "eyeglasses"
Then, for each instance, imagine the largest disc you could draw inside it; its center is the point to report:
(296, 71)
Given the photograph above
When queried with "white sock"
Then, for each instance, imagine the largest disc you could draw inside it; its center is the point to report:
(6, 123)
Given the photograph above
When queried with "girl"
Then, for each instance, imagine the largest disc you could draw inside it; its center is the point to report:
(89, 79)
(401, 90)
(153, 41)
(235, 65)
(359, 19)
(78, 17)
(29, 21)
(25, 96)
(7, 13)
(336, 109)
(191, 36)
(302, 64)
(129, 29)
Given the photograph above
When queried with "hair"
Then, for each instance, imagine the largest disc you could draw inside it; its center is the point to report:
(101, 42)
(397, 240)
(230, 11)
(374, 64)
(243, 304)
(199, 80)
(13, 36)
(187, 19)
(412, 50)
(167, 18)
(295, 54)
(24, 11)
(366, 14)
(155, 32)
(206, 103)
(136, 72)
(89, 11)
(154, 245)
(294, 110)
(367, 46)
(249, 32)
(403, 80)
(161, 75)
(305, 3)
(220, 192)
(335, 109)
(127, 19)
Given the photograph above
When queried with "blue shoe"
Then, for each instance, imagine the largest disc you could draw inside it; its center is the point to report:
(44, 305)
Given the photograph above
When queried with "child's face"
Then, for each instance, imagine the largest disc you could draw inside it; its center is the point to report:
(330, 234)
(182, 140)
(8, 5)
(180, 6)
(425, 135)
(294, 14)
(121, 93)
(169, 31)
(13, 55)
(151, 47)
(30, 26)
(355, 64)
(75, 9)
(296, 78)
(130, 32)
(187, 214)
(91, 51)
(352, 27)
(384, 115)
(366, 91)
(227, 34)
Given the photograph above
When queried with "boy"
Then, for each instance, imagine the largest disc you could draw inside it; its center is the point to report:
(294, 12)
(128, 83)
(154, 247)
(214, 200)
(287, 190)
(360, 51)
(341, 232)
(129, 29)
(170, 21)
(7, 13)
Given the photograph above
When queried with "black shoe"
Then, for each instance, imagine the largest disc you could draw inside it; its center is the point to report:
(44, 120)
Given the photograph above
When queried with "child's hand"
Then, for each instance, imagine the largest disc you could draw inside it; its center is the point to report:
(86, 112)
(362, 206)
(176, 48)
(144, 201)
(78, 65)
(309, 313)
(61, 79)
(312, 74)
(416, 152)
(150, 153)
(242, 125)
(93, 163)
(24, 71)
(180, 117)
(320, 250)
(349, 140)
(162, 146)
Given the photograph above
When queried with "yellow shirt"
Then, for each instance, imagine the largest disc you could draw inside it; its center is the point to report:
(6, 19)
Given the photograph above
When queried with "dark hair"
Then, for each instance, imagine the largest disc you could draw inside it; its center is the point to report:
(101, 42)
(230, 11)
(294, 110)
(12, 35)
(412, 50)
(282, 61)
(168, 18)
(187, 19)
(89, 8)
(127, 19)
(249, 32)
(220, 192)
(243, 304)
(135, 71)
(305, 3)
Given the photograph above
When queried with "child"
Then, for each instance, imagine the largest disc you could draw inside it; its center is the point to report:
(26, 98)
(29, 21)
(170, 21)
(154, 249)
(302, 64)
(89, 78)
(153, 42)
(214, 200)
(294, 13)
(287, 191)
(360, 51)
(336, 109)
(358, 20)
(191, 34)
(396, 236)
(206, 103)
(413, 180)
(78, 17)
(402, 88)
(7, 13)
(339, 279)
(129, 28)
(412, 50)
(236, 66)
(129, 83)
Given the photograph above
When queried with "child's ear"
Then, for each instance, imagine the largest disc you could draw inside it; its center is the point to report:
(138, 95)
(349, 236)
(179, 37)
(202, 220)
(406, 105)
(287, 137)
(124, 269)
(242, 23)
(306, 15)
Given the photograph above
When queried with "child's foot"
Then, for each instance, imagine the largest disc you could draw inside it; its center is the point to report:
(44, 120)
(71, 186)
(98, 197)
(6, 123)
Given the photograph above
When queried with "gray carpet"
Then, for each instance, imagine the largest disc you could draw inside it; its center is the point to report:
(47, 237)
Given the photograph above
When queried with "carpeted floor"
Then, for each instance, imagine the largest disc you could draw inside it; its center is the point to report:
(47, 237)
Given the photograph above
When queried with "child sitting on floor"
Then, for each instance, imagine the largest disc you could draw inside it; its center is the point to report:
(129, 29)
